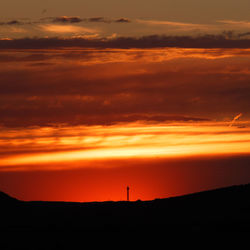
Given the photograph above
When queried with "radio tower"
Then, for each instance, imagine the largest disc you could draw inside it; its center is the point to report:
(127, 193)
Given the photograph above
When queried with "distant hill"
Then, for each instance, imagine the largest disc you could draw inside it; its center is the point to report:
(6, 199)
(224, 209)
(234, 196)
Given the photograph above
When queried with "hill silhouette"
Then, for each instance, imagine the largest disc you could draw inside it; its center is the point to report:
(224, 209)
(5, 199)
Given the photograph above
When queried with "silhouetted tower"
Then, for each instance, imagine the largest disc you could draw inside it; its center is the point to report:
(127, 193)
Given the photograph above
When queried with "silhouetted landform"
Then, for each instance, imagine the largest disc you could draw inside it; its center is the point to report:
(225, 209)
(6, 199)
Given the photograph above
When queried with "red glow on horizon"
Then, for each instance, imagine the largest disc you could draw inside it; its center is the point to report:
(147, 180)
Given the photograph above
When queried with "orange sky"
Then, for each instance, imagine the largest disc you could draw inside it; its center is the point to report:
(98, 95)
(82, 124)
(96, 163)
(95, 18)
(107, 180)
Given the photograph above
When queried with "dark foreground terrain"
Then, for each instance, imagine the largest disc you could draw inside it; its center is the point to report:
(226, 209)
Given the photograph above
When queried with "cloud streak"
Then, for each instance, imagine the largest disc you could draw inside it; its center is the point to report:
(73, 144)
(66, 29)
(156, 85)
(154, 41)
(179, 25)
(235, 119)
(235, 23)
(67, 19)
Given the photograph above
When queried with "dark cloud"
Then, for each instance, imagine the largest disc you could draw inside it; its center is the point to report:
(12, 22)
(106, 20)
(182, 89)
(66, 19)
(244, 34)
(155, 41)
(24, 21)
(123, 20)
(229, 34)
(24, 57)
(109, 86)
(98, 20)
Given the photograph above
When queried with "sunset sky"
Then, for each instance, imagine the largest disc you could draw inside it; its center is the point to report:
(98, 95)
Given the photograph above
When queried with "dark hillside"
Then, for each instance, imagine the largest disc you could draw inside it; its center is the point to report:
(225, 209)
(6, 199)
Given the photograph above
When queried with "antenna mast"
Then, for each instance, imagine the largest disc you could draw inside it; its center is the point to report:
(127, 193)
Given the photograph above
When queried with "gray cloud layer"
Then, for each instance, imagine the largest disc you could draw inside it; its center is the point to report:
(154, 41)
(65, 20)
(90, 88)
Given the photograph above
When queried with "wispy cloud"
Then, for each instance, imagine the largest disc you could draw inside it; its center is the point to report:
(136, 140)
(235, 119)
(179, 25)
(55, 28)
(235, 23)
(244, 34)
(218, 25)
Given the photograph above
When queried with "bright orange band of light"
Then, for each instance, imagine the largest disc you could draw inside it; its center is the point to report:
(130, 141)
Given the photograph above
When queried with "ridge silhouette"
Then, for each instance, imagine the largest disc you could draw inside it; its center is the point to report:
(5, 198)
(223, 209)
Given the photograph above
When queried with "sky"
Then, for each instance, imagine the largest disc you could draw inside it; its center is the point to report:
(95, 18)
(96, 96)
(192, 10)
